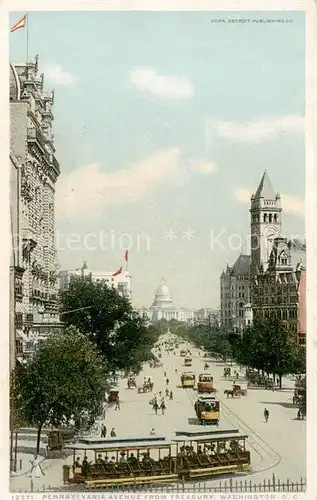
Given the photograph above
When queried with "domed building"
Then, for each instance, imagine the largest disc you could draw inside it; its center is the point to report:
(163, 306)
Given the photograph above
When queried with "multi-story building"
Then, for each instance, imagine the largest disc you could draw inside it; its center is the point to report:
(163, 307)
(33, 148)
(278, 264)
(121, 282)
(207, 316)
(16, 270)
(235, 293)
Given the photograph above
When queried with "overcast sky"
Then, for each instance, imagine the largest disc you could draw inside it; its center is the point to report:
(164, 124)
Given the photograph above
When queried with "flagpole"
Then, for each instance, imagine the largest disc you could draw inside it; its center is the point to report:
(27, 37)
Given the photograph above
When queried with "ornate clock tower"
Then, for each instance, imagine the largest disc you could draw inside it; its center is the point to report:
(265, 223)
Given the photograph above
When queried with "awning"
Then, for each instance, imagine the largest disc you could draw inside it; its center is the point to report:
(20, 308)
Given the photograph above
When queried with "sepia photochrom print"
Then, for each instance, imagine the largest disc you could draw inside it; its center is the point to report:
(158, 249)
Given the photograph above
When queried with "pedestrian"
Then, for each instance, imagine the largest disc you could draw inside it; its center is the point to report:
(165, 374)
(160, 393)
(103, 431)
(171, 395)
(266, 415)
(152, 433)
(36, 469)
(117, 403)
(113, 433)
(167, 381)
(155, 406)
(163, 406)
(167, 392)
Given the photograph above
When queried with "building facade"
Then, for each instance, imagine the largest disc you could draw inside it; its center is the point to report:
(121, 283)
(208, 316)
(32, 145)
(277, 265)
(235, 289)
(16, 270)
(163, 307)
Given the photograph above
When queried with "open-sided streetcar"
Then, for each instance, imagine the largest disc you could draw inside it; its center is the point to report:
(105, 462)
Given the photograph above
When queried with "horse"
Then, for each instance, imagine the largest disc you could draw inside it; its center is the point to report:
(229, 393)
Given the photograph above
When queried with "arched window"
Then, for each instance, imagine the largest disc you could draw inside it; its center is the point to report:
(275, 218)
(270, 218)
(265, 218)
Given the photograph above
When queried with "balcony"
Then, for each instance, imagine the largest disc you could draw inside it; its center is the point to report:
(36, 137)
(54, 164)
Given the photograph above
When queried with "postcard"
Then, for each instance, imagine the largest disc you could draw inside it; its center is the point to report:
(161, 212)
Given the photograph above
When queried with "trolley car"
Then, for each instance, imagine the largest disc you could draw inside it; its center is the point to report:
(148, 461)
(205, 383)
(207, 409)
(188, 380)
(188, 361)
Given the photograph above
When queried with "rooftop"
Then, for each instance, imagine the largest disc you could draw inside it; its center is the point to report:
(241, 265)
(265, 189)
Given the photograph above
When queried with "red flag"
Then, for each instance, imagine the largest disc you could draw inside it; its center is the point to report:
(118, 272)
(20, 24)
(126, 255)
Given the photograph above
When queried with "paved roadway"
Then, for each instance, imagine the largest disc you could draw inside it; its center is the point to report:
(277, 446)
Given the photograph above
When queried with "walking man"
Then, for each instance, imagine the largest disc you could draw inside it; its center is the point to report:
(103, 431)
(155, 406)
(163, 407)
(117, 403)
(266, 415)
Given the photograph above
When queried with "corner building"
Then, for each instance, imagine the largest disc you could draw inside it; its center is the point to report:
(278, 265)
(32, 144)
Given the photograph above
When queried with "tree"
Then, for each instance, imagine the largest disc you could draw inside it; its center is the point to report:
(66, 376)
(268, 346)
(109, 321)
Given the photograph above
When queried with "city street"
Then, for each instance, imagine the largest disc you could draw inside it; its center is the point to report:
(277, 446)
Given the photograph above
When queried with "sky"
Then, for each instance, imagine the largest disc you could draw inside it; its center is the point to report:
(163, 126)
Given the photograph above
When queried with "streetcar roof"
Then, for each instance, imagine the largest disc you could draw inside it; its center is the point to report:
(207, 397)
(119, 445)
(203, 432)
(208, 438)
(205, 375)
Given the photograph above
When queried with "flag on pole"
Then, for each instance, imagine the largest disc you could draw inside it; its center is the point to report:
(118, 272)
(20, 24)
(126, 255)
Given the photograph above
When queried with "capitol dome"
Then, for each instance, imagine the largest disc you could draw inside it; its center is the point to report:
(162, 296)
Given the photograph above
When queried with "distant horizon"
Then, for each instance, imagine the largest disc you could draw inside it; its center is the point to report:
(161, 146)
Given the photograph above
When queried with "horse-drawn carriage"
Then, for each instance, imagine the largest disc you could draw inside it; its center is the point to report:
(146, 387)
(256, 379)
(131, 382)
(113, 396)
(237, 390)
(227, 371)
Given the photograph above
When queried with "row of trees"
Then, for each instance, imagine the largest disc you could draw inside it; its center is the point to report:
(266, 345)
(70, 373)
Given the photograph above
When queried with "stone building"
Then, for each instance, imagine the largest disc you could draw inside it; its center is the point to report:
(235, 293)
(207, 316)
(16, 269)
(32, 145)
(163, 307)
(121, 283)
(277, 264)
